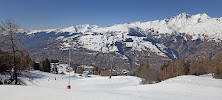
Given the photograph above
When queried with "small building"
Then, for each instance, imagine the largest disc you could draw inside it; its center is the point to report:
(54, 68)
(57, 68)
(86, 69)
(104, 73)
(79, 70)
(125, 71)
(107, 73)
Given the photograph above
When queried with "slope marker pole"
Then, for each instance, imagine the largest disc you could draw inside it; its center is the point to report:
(69, 86)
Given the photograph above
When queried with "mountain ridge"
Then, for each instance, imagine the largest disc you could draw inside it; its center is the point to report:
(179, 20)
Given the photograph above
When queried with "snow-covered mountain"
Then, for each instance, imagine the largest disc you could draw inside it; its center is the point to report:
(178, 36)
(198, 26)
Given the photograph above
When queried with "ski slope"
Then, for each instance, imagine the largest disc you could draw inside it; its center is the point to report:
(45, 87)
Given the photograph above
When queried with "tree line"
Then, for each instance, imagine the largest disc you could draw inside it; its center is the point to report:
(45, 65)
(180, 67)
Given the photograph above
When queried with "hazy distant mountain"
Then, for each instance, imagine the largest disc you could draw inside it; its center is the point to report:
(183, 36)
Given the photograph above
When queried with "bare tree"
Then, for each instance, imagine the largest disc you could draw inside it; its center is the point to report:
(216, 65)
(4, 61)
(148, 74)
(179, 65)
(198, 68)
(10, 43)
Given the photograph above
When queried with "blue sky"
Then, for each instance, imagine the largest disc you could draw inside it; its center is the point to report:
(44, 14)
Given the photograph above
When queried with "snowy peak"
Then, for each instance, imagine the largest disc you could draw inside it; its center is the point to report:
(182, 15)
(183, 20)
(72, 29)
(186, 16)
(204, 16)
(201, 17)
(29, 32)
(69, 29)
(78, 29)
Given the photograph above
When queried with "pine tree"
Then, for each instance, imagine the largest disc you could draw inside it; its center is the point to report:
(35, 65)
(46, 65)
(186, 67)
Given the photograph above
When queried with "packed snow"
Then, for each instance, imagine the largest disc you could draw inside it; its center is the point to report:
(43, 86)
